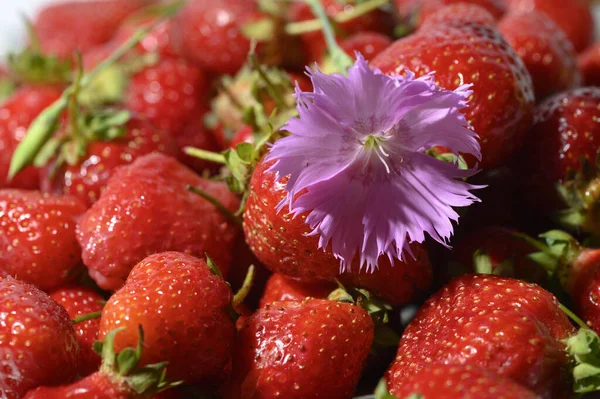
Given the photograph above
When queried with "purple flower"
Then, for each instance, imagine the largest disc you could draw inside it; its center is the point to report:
(358, 148)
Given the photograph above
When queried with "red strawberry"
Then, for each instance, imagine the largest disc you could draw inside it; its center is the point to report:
(589, 65)
(64, 27)
(119, 377)
(168, 93)
(464, 52)
(37, 341)
(79, 301)
(87, 177)
(573, 16)
(503, 325)
(186, 319)
(280, 243)
(465, 12)
(38, 244)
(16, 113)
(451, 381)
(147, 208)
(369, 44)
(159, 41)
(496, 8)
(282, 288)
(314, 43)
(309, 349)
(506, 252)
(545, 49)
(210, 33)
(565, 132)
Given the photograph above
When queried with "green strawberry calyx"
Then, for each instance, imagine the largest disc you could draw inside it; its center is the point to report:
(583, 349)
(580, 191)
(377, 309)
(124, 367)
(557, 252)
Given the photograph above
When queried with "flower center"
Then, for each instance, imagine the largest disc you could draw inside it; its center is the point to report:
(376, 144)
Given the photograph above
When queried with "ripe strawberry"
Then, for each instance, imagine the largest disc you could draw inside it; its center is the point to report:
(503, 325)
(119, 377)
(313, 43)
(280, 243)
(64, 27)
(282, 288)
(369, 44)
(79, 301)
(545, 49)
(186, 319)
(451, 381)
(87, 177)
(168, 93)
(506, 252)
(496, 8)
(37, 341)
(465, 12)
(573, 16)
(464, 52)
(325, 345)
(155, 212)
(159, 41)
(16, 113)
(38, 244)
(564, 132)
(210, 34)
(589, 65)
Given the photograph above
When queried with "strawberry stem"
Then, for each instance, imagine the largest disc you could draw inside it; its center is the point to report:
(86, 317)
(338, 56)
(313, 25)
(573, 316)
(226, 212)
(244, 290)
(206, 155)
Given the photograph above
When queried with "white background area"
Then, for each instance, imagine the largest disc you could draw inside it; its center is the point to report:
(12, 34)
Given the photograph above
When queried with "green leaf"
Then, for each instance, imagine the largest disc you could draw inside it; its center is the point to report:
(47, 152)
(584, 349)
(39, 132)
(107, 88)
(106, 126)
(245, 152)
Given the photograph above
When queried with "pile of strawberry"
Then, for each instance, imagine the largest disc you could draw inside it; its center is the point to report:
(142, 254)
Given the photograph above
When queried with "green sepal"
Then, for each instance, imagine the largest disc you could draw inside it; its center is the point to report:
(580, 191)
(32, 67)
(105, 125)
(125, 366)
(381, 392)
(7, 87)
(584, 350)
(213, 266)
